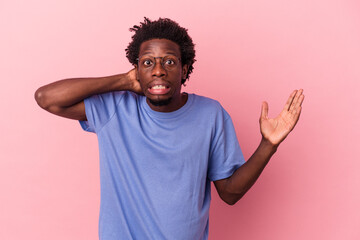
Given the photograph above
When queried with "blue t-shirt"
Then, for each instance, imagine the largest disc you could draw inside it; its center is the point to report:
(156, 167)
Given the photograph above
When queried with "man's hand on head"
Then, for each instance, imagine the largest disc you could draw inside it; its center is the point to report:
(275, 130)
(134, 84)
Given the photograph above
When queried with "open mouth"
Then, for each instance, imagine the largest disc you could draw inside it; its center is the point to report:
(159, 89)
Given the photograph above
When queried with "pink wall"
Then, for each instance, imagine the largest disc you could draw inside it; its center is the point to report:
(247, 52)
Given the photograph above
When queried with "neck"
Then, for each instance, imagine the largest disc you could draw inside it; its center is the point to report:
(171, 105)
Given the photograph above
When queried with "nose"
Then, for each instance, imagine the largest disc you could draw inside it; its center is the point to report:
(158, 69)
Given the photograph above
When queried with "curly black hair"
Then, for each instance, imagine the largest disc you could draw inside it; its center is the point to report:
(163, 28)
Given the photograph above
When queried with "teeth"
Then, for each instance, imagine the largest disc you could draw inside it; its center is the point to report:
(158, 87)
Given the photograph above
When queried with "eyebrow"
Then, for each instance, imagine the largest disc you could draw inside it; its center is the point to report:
(150, 55)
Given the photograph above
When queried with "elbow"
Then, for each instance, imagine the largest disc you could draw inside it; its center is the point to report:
(46, 101)
(40, 98)
(231, 199)
(231, 202)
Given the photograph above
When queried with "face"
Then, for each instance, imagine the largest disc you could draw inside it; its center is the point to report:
(160, 72)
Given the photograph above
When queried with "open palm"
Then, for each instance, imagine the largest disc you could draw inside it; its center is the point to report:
(276, 129)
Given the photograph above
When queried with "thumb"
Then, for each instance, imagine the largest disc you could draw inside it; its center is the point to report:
(264, 110)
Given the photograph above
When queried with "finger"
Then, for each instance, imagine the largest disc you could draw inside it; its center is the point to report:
(295, 101)
(298, 100)
(135, 69)
(264, 110)
(290, 100)
(296, 111)
(296, 116)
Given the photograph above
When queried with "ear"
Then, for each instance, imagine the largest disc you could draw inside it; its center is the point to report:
(185, 68)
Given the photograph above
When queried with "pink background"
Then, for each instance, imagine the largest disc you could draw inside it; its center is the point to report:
(247, 52)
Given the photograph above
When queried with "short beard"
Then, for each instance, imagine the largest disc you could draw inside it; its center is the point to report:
(160, 103)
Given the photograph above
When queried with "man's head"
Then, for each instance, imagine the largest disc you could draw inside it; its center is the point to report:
(163, 28)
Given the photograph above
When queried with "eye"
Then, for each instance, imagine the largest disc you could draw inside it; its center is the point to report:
(147, 62)
(169, 62)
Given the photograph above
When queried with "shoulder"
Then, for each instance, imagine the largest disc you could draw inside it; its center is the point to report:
(116, 96)
(210, 106)
(206, 102)
(110, 101)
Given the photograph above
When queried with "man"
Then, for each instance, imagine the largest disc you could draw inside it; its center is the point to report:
(160, 148)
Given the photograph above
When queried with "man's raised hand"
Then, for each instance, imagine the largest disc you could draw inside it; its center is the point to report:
(275, 130)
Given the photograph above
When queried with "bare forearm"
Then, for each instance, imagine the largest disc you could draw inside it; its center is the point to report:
(68, 92)
(245, 176)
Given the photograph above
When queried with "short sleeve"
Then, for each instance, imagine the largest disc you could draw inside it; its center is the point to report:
(99, 110)
(225, 154)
